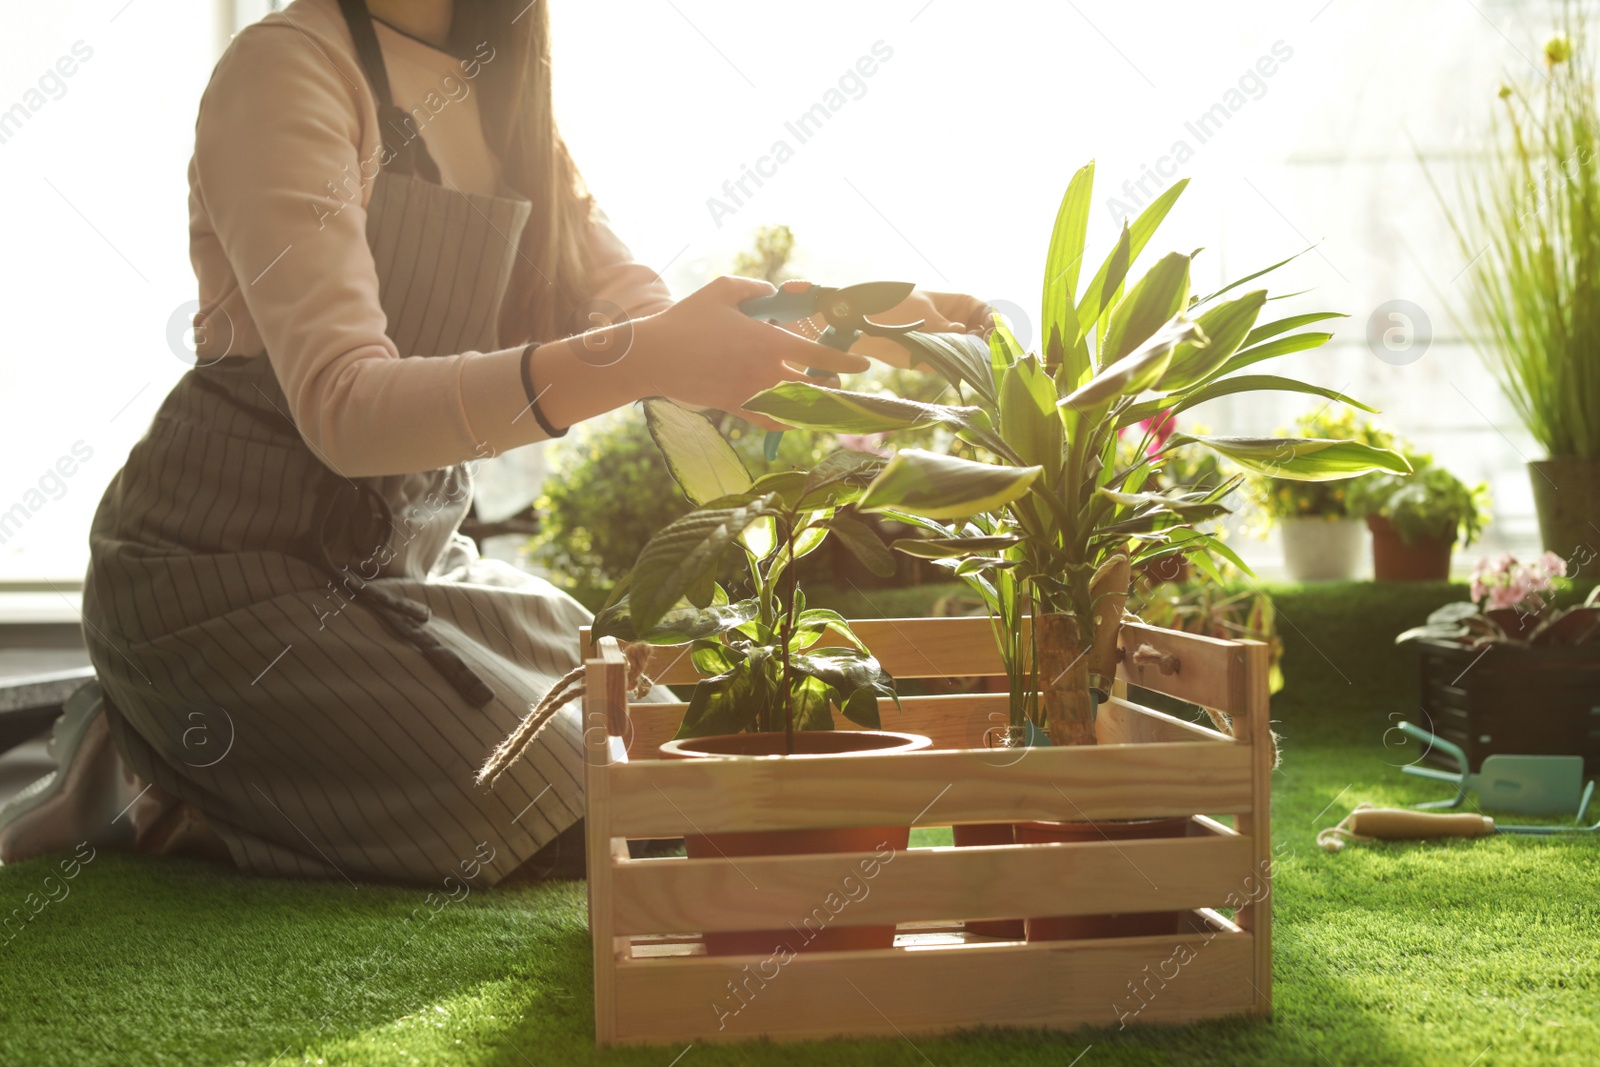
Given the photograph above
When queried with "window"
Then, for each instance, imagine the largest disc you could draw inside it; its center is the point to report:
(920, 139)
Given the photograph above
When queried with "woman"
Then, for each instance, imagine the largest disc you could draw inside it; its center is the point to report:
(302, 662)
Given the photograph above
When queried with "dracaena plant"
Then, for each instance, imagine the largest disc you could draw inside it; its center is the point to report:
(1045, 521)
(763, 656)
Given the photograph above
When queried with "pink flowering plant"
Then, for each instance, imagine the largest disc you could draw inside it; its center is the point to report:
(1504, 584)
(1514, 602)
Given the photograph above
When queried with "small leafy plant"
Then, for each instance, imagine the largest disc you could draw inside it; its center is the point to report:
(1429, 504)
(766, 665)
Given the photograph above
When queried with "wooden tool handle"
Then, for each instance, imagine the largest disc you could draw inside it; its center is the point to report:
(1399, 824)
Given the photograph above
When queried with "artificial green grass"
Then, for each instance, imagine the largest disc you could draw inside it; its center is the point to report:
(1452, 953)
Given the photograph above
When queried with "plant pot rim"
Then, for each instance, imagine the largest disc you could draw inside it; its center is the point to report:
(892, 741)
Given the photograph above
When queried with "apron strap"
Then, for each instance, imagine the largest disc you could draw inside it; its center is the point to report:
(405, 152)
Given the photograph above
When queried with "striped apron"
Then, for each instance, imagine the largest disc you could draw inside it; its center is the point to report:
(320, 663)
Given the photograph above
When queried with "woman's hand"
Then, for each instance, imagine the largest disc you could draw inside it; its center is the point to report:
(705, 352)
(940, 312)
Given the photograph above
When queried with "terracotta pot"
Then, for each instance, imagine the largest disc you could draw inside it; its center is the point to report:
(1425, 560)
(1130, 924)
(1321, 550)
(1566, 492)
(978, 835)
(814, 935)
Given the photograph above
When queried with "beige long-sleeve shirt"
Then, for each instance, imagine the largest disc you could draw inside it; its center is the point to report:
(285, 148)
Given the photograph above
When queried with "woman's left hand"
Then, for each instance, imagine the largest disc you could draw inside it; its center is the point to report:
(941, 312)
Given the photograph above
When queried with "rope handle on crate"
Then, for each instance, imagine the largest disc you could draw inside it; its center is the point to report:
(566, 689)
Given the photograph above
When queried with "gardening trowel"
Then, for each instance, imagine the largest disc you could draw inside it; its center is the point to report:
(844, 310)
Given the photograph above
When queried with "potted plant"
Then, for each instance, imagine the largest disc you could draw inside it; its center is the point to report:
(1509, 671)
(1416, 519)
(1322, 540)
(1044, 521)
(1530, 231)
(771, 682)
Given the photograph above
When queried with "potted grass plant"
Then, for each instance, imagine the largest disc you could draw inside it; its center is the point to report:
(1528, 226)
(1417, 519)
(1042, 519)
(774, 670)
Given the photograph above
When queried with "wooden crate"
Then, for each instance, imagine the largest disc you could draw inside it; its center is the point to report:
(654, 982)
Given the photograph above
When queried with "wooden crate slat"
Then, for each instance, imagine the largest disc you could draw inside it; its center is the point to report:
(925, 885)
(605, 687)
(907, 648)
(896, 992)
(1211, 672)
(951, 721)
(1257, 915)
(1121, 722)
(666, 798)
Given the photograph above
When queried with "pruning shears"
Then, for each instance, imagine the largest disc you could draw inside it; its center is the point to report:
(844, 310)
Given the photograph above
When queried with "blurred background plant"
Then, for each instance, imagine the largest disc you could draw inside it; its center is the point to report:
(1430, 503)
(1281, 498)
(1201, 606)
(1529, 219)
(768, 256)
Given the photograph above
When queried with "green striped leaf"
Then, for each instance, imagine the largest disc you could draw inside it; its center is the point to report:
(1303, 459)
(1225, 327)
(937, 486)
(1138, 371)
(1058, 326)
(1149, 305)
(816, 407)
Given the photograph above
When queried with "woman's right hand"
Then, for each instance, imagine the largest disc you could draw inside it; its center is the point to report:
(703, 351)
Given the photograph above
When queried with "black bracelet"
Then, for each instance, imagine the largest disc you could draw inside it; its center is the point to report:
(533, 394)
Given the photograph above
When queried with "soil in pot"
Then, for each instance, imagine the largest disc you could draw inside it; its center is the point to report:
(1566, 493)
(1426, 559)
(1128, 924)
(817, 931)
(1321, 550)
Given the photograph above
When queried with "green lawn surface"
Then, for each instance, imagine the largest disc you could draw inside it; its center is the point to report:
(1463, 953)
